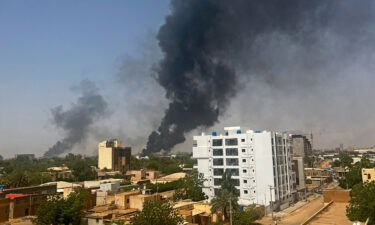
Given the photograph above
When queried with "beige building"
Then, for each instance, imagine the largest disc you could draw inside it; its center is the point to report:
(368, 175)
(113, 156)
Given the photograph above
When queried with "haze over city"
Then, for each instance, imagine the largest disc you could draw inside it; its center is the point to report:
(74, 73)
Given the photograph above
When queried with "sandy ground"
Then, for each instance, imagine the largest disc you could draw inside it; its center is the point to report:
(297, 214)
(334, 214)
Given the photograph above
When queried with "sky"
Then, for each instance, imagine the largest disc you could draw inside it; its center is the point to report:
(61, 59)
(46, 47)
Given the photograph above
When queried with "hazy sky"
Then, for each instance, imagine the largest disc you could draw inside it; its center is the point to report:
(286, 81)
(48, 46)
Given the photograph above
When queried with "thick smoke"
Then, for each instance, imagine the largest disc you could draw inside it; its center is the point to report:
(212, 47)
(76, 121)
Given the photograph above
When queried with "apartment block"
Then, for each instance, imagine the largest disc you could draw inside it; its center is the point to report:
(113, 156)
(260, 163)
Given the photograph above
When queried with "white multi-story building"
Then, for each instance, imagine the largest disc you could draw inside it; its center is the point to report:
(260, 163)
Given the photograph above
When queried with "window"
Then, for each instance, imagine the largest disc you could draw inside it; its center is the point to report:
(231, 151)
(127, 201)
(245, 181)
(243, 150)
(244, 171)
(242, 140)
(217, 181)
(232, 141)
(218, 162)
(232, 162)
(217, 152)
(235, 182)
(217, 142)
(218, 172)
(216, 191)
(369, 176)
(244, 160)
(234, 172)
(245, 192)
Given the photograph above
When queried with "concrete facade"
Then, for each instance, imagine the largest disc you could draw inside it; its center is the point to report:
(298, 169)
(301, 145)
(112, 156)
(260, 163)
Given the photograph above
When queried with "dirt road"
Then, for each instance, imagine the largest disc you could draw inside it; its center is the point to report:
(296, 217)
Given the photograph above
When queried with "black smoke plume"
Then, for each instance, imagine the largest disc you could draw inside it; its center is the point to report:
(209, 44)
(76, 121)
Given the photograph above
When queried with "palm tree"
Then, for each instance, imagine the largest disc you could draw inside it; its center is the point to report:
(227, 195)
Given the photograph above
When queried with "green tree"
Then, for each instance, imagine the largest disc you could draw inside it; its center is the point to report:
(362, 203)
(309, 161)
(354, 175)
(57, 210)
(157, 213)
(190, 187)
(227, 196)
(247, 216)
(345, 160)
(81, 167)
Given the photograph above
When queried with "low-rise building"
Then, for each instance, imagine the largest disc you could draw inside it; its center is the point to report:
(122, 200)
(136, 175)
(22, 205)
(92, 184)
(59, 173)
(137, 201)
(4, 209)
(368, 175)
(169, 178)
(63, 187)
(110, 186)
(317, 177)
(47, 189)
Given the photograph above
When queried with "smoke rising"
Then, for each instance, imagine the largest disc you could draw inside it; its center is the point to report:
(76, 121)
(215, 49)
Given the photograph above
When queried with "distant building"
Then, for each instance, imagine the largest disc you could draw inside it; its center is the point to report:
(301, 145)
(113, 156)
(59, 173)
(368, 175)
(318, 176)
(260, 163)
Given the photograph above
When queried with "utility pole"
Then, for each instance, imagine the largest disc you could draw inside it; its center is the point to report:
(271, 203)
(230, 211)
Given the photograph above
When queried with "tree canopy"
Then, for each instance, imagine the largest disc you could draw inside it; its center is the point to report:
(57, 210)
(190, 187)
(362, 203)
(157, 213)
(22, 171)
(354, 175)
(247, 216)
(227, 196)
